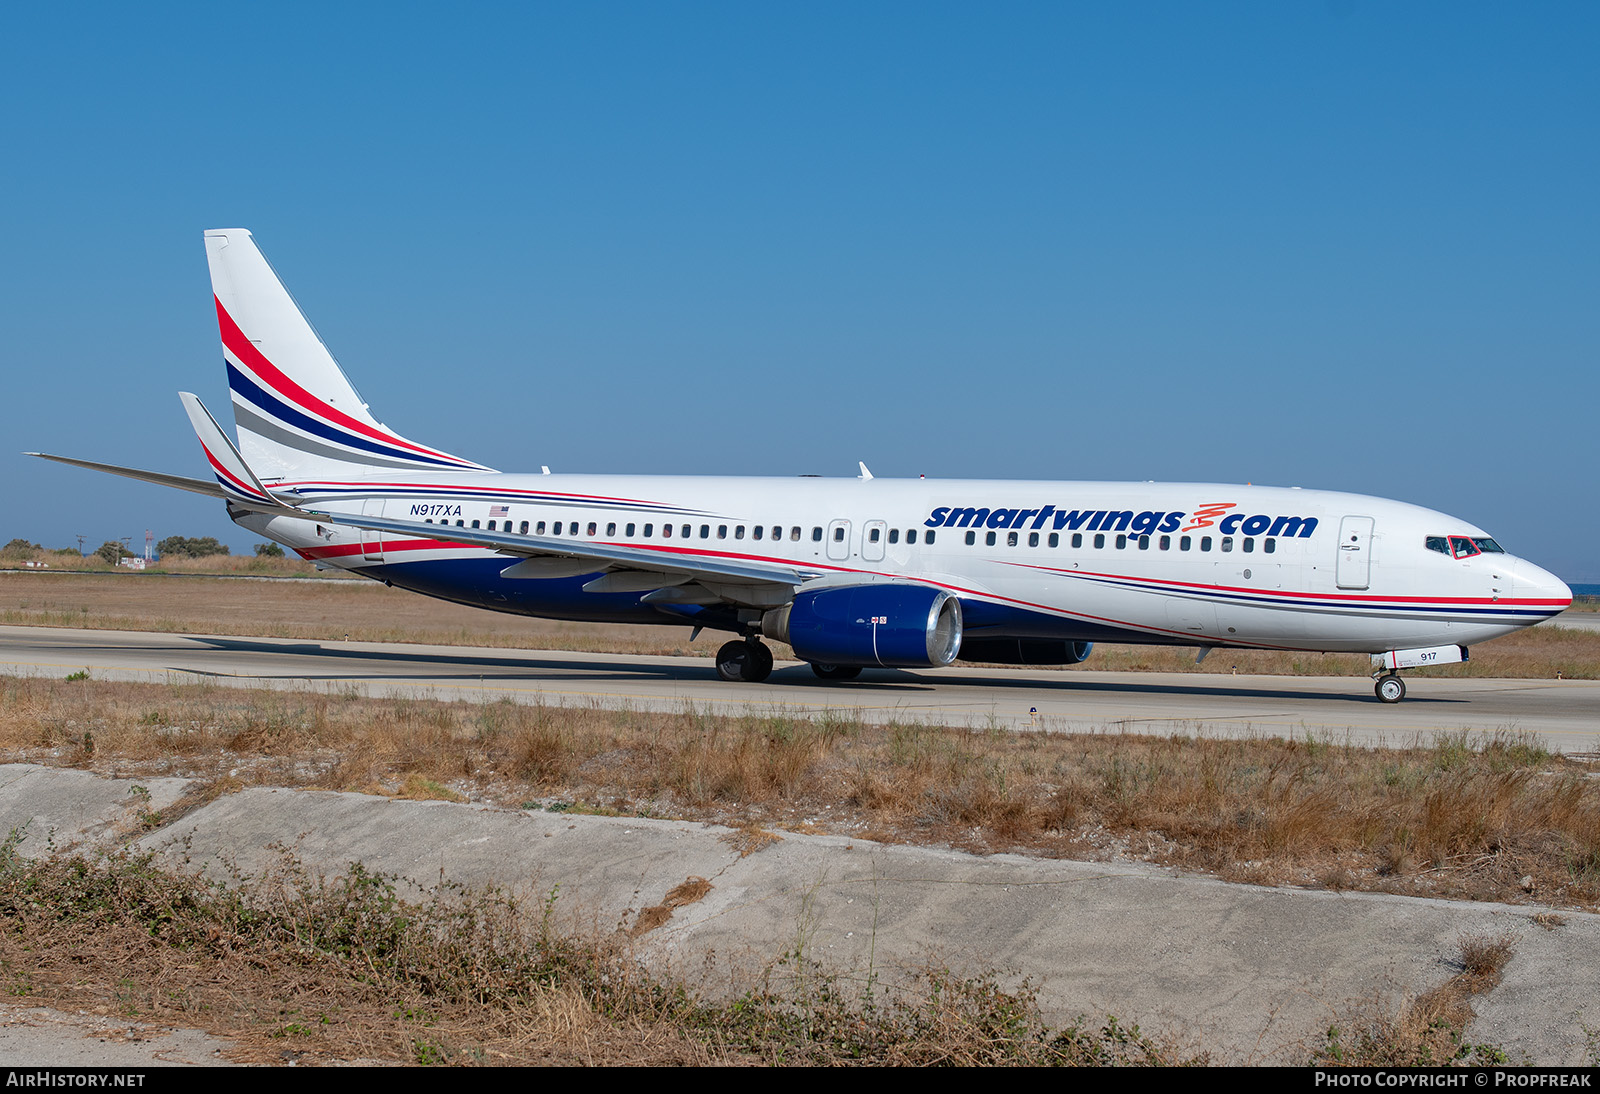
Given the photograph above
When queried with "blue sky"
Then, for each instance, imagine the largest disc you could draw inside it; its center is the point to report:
(1345, 245)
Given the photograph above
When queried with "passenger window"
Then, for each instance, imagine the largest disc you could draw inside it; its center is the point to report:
(705, 531)
(816, 533)
(988, 539)
(684, 531)
(649, 529)
(524, 527)
(1033, 539)
(463, 524)
(1184, 543)
(1055, 539)
(611, 529)
(1077, 539)
(474, 524)
(538, 529)
(928, 538)
(894, 535)
(738, 532)
(1249, 545)
(722, 532)
(838, 534)
(755, 533)
(1269, 545)
(1099, 540)
(872, 536)
(491, 525)
(1166, 543)
(794, 534)
(629, 530)
(666, 531)
(1122, 541)
(1227, 543)
(911, 535)
(428, 521)
(1144, 543)
(972, 537)
(1205, 543)
(1011, 539)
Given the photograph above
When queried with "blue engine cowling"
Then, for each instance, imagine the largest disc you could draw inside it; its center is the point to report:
(895, 626)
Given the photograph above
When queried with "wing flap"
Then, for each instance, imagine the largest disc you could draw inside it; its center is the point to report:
(677, 561)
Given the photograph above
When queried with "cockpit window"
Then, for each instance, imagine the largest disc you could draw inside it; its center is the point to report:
(1488, 546)
(1462, 547)
(1440, 544)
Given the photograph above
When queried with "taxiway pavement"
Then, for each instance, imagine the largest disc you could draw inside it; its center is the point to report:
(1564, 714)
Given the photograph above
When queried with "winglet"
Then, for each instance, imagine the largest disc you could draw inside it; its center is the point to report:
(237, 480)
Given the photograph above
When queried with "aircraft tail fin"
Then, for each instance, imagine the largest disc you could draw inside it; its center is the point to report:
(297, 413)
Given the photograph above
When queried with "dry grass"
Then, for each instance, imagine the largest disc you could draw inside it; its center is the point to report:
(1494, 818)
(295, 968)
(71, 562)
(366, 611)
(1430, 1030)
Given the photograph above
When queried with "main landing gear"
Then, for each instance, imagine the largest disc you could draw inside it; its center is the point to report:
(746, 659)
(826, 671)
(1390, 688)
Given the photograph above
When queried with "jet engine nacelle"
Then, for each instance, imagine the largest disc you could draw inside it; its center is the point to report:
(1024, 651)
(895, 626)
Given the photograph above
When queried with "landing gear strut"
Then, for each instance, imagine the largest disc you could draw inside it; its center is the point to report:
(1390, 688)
(746, 659)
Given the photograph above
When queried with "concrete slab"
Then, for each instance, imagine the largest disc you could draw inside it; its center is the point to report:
(1255, 974)
(54, 808)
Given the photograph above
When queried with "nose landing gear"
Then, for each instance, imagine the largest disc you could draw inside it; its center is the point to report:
(745, 659)
(1390, 688)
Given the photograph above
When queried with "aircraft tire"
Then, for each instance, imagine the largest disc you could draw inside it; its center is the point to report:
(742, 661)
(826, 671)
(732, 659)
(1390, 688)
(760, 662)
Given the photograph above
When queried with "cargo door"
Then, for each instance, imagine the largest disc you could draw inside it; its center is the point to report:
(1355, 553)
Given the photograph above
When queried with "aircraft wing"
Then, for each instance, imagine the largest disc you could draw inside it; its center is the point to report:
(624, 556)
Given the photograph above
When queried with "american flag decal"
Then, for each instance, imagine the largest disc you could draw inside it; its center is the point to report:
(499, 511)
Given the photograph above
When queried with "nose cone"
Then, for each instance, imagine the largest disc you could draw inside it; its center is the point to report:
(1540, 586)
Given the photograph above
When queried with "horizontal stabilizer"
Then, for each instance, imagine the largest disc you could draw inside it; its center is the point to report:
(181, 482)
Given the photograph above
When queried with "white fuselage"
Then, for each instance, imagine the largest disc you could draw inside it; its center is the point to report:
(1178, 563)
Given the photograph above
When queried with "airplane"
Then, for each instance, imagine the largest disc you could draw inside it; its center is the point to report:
(850, 573)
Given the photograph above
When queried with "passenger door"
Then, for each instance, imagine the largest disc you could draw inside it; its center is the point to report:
(1355, 553)
(372, 541)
